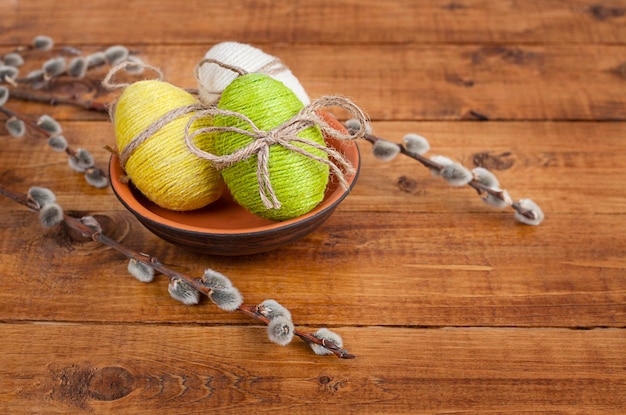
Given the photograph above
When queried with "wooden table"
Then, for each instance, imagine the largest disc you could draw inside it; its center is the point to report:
(449, 305)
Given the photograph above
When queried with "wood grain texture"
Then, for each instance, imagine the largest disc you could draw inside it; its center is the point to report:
(475, 282)
(319, 22)
(449, 305)
(459, 262)
(170, 369)
(422, 82)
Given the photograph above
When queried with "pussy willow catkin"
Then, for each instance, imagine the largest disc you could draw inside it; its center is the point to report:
(213, 79)
(161, 166)
(298, 181)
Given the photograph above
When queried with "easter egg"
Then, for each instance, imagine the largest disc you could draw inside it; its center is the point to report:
(297, 180)
(162, 167)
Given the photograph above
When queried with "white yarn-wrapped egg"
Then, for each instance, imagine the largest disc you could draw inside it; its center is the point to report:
(213, 79)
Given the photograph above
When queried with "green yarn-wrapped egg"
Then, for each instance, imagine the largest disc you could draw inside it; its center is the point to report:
(298, 181)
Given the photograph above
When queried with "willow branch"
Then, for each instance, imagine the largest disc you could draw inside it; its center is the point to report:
(480, 188)
(251, 311)
(34, 126)
(31, 95)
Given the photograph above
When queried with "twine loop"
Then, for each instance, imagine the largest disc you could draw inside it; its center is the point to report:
(284, 135)
(109, 84)
(273, 67)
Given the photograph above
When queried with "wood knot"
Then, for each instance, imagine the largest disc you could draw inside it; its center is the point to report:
(110, 383)
(472, 115)
(489, 161)
(331, 385)
(106, 223)
(408, 185)
(76, 384)
(602, 13)
(452, 6)
(323, 380)
(458, 80)
(511, 55)
(620, 71)
(115, 226)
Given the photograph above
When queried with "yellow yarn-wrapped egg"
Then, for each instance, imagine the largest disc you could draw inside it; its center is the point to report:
(162, 168)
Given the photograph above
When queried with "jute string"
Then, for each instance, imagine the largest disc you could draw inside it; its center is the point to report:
(159, 123)
(284, 135)
(108, 83)
(273, 67)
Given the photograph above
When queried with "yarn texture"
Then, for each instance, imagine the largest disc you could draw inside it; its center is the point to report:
(161, 166)
(260, 140)
(213, 79)
(298, 181)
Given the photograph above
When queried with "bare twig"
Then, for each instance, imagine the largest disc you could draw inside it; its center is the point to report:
(31, 95)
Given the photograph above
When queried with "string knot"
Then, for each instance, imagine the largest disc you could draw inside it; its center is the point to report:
(285, 135)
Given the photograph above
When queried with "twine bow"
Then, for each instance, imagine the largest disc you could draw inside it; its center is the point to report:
(284, 135)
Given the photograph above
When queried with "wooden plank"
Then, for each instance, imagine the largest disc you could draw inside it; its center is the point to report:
(419, 82)
(450, 306)
(427, 273)
(459, 263)
(561, 165)
(337, 21)
(566, 167)
(67, 369)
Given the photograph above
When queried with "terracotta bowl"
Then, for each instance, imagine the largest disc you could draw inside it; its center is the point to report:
(224, 227)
